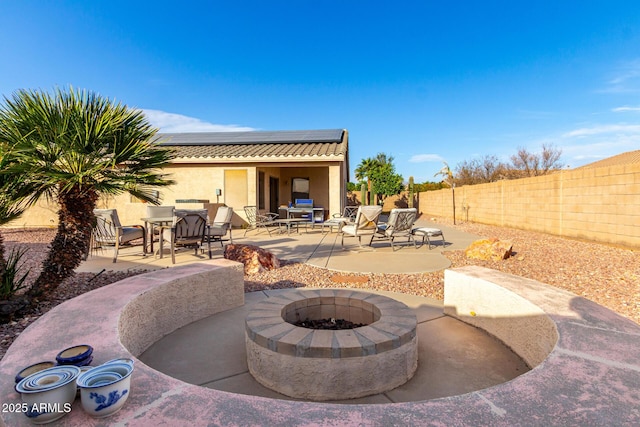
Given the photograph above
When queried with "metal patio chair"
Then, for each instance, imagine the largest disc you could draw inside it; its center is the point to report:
(109, 232)
(188, 230)
(259, 219)
(348, 216)
(399, 224)
(220, 226)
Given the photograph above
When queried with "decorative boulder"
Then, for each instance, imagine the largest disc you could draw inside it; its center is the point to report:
(489, 249)
(255, 259)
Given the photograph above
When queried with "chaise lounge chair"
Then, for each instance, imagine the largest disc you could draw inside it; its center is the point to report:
(399, 224)
(365, 224)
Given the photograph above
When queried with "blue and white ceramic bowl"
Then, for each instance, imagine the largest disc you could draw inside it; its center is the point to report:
(83, 369)
(49, 393)
(78, 355)
(104, 389)
(32, 369)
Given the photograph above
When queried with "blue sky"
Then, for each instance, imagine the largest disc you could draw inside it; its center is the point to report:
(423, 81)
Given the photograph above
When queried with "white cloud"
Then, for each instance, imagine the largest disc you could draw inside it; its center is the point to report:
(625, 109)
(174, 123)
(423, 158)
(603, 129)
(585, 145)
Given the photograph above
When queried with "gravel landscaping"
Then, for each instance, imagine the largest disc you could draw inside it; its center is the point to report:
(607, 275)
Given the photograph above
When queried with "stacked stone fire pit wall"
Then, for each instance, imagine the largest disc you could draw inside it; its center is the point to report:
(326, 364)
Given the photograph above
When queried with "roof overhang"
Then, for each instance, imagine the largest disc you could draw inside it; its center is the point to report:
(258, 147)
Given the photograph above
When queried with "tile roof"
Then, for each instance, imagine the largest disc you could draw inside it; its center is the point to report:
(330, 144)
(630, 157)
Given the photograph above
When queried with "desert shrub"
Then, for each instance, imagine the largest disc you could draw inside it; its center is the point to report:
(12, 278)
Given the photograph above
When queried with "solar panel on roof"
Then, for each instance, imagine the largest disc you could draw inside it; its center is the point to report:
(252, 137)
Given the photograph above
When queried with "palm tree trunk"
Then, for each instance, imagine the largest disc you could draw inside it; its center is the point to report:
(3, 260)
(71, 243)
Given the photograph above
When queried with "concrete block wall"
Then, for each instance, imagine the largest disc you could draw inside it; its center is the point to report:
(598, 204)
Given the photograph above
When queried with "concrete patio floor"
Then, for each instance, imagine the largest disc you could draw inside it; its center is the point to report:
(311, 246)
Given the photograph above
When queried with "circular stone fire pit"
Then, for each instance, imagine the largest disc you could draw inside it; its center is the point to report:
(317, 364)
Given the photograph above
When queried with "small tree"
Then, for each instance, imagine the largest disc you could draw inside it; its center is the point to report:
(386, 182)
(382, 179)
(527, 164)
(479, 171)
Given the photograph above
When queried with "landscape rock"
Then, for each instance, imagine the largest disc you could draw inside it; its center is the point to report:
(254, 258)
(489, 249)
(12, 307)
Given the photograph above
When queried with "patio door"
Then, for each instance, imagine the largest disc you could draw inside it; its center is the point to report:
(235, 188)
(274, 194)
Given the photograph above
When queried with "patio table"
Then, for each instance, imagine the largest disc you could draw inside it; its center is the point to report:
(151, 222)
(289, 222)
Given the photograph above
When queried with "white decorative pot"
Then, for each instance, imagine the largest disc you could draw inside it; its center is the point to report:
(48, 394)
(105, 388)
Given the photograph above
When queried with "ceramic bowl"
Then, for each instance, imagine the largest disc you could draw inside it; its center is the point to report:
(104, 389)
(85, 362)
(120, 360)
(32, 369)
(76, 355)
(83, 369)
(49, 393)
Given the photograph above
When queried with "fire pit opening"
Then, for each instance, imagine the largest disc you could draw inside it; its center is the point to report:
(331, 315)
(320, 364)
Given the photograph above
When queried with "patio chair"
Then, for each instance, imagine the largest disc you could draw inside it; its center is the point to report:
(338, 220)
(188, 230)
(220, 226)
(109, 231)
(259, 219)
(365, 224)
(399, 224)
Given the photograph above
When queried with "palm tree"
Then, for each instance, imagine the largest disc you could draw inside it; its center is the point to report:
(448, 179)
(383, 159)
(365, 169)
(75, 146)
(446, 174)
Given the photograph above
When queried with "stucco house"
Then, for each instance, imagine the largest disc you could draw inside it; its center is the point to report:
(263, 168)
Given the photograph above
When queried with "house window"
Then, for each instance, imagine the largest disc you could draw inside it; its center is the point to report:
(299, 188)
(261, 190)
